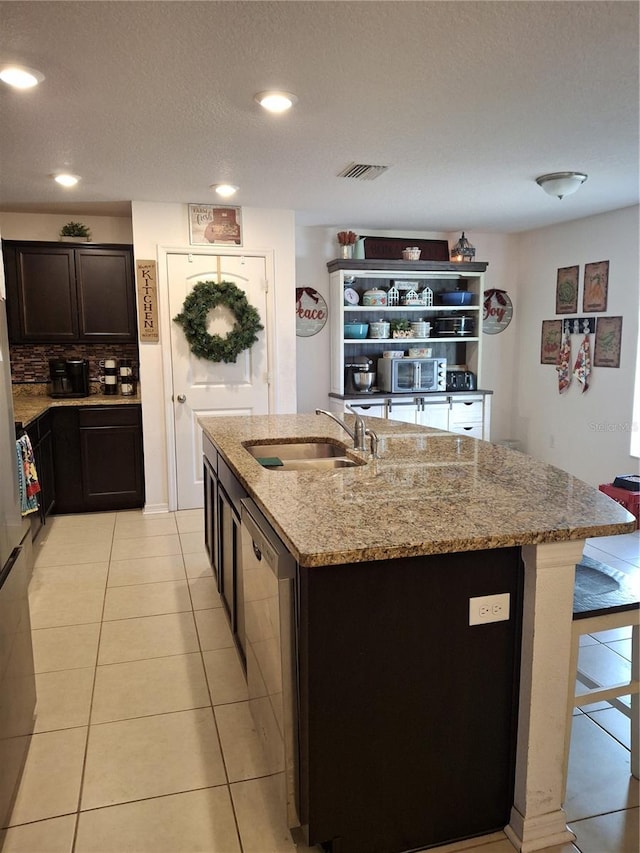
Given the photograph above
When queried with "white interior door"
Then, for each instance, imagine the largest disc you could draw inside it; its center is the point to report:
(202, 387)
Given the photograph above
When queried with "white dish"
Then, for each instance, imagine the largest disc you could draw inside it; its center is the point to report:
(351, 296)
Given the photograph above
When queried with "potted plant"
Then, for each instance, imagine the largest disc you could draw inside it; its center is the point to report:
(401, 328)
(75, 232)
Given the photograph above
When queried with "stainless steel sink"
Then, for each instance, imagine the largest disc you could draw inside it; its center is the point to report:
(304, 456)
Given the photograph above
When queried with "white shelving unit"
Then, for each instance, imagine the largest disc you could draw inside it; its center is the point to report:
(467, 413)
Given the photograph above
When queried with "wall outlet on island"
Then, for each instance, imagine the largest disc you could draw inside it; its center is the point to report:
(489, 608)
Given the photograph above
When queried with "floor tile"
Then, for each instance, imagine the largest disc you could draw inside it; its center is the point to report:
(621, 647)
(148, 599)
(64, 699)
(81, 574)
(179, 823)
(616, 832)
(192, 543)
(615, 723)
(146, 570)
(603, 665)
(149, 546)
(204, 593)
(58, 536)
(150, 525)
(55, 606)
(242, 750)
(85, 520)
(261, 813)
(613, 634)
(190, 521)
(197, 565)
(142, 688)
(599, 773)
(213, 629)
(147, 637)
(46, 836)
(72, 554)
(626, 546)
(227, 681)
(72, 647)
(50, 784)
(152, 756)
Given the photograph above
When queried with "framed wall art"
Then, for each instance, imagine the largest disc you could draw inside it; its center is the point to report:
(567, 290)
(596, 285)
(550, 342)
(311, 312)
(606, 352)
(214, 224)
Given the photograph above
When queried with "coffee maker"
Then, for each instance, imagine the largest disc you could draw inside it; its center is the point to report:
(355, 364)
(68, 377)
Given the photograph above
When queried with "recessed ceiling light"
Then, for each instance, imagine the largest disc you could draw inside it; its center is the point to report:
(66, 180)
(276, 102)
(225, 190)
(20, 77)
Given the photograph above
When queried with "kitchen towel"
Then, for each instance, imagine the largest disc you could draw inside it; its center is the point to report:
(582, 367)
(28, 484)
(563, 364)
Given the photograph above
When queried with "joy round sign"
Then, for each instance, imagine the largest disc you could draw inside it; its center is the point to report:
(311, 312)
(497, 311)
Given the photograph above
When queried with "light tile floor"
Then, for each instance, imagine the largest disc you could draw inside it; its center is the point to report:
(144, 741)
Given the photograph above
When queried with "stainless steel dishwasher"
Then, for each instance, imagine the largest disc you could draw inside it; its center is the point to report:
(269, 575)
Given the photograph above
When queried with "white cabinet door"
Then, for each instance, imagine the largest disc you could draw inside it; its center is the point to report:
(435, 415)
(407, 412)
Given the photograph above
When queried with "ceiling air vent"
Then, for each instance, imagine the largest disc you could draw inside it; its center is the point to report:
(362, 171)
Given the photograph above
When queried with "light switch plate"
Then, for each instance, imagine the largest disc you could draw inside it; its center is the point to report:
(489, 608)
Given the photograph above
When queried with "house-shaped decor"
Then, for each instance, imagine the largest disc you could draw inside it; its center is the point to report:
(393, 295)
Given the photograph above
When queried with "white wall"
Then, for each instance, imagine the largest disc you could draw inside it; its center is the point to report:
(586, 434)
(157, 226)
(46, 226)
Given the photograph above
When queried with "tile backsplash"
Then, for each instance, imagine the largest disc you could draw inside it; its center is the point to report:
(30, 362)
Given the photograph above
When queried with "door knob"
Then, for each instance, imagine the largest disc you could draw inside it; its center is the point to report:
(181, 398)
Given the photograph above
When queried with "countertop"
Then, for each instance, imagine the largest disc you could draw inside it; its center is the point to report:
(30, 402)
(430, 492)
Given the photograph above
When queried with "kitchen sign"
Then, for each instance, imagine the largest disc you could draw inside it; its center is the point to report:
(497, 311)
(147, 287)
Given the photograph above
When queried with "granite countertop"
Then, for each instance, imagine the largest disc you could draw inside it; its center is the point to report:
(430, 492)
(30, 402)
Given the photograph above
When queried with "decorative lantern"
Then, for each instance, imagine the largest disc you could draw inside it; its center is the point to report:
(463, 250)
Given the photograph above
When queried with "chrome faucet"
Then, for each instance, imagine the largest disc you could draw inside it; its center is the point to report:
(358, 434)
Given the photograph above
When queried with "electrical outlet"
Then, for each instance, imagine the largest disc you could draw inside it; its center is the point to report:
(489, 608)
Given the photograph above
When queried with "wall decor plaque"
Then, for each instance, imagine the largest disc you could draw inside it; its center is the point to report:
(147, 287)
(606, 352)
(567, 290)
(596, 286)
(214, 223)
(497, 311)
(311, 312)
(550, 342)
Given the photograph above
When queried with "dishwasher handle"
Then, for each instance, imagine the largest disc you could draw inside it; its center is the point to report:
(265, 541)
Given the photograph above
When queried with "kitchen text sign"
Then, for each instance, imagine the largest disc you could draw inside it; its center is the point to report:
(147, 284)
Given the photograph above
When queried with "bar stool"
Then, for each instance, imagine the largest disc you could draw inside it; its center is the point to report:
(605, 598)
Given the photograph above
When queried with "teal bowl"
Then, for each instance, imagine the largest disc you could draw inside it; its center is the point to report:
(356, 331)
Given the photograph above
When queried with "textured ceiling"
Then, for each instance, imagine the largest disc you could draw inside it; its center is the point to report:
(466, 103)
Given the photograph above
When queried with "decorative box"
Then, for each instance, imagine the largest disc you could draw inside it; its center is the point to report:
(629, 500)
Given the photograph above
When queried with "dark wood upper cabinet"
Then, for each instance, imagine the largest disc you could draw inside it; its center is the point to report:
(59, 293)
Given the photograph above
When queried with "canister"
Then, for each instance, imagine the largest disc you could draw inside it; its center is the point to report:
(374, 297)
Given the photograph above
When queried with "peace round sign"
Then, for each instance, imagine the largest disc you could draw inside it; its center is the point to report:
(311, 312)
(497, 311)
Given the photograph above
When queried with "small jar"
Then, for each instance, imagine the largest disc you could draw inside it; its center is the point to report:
(374, 297)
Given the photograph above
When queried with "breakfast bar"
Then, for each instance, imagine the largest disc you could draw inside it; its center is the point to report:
(410, 544)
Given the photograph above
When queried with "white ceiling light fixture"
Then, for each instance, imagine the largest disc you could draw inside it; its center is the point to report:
(561, 184)
(20, 77)
(224, 190)
(66, 180)
(275, 101)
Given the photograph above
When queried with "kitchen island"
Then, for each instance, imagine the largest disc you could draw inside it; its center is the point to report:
(389, 554)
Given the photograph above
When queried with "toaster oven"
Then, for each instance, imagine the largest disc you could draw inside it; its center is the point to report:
(412, 374)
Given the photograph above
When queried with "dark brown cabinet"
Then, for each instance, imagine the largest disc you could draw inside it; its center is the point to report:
(98, 458)
(41, 437)
(63, 294)
(222, 496)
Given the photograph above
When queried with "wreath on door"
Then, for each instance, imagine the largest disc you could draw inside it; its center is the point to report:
(205, 296)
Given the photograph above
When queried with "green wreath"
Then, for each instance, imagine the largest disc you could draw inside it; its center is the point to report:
(193, 319)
